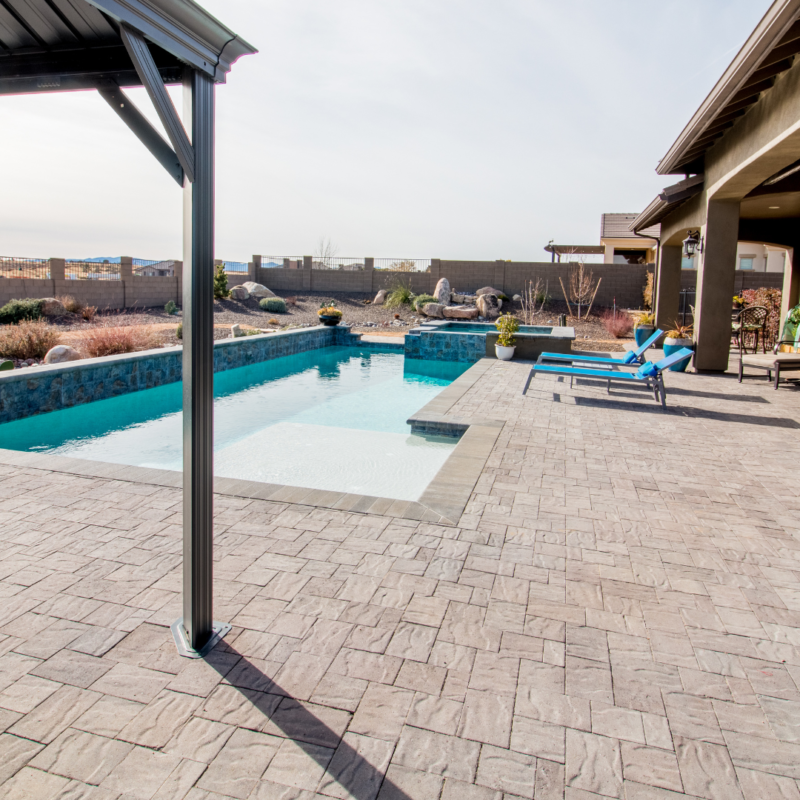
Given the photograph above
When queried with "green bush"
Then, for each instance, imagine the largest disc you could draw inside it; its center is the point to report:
(399, 294)
(18, 310)
(276, 305)
(170, 307)
(421, 299)
(220, 282)
(179, 331)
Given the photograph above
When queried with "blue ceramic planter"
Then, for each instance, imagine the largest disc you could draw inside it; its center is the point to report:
(643, 333)
(669, 349)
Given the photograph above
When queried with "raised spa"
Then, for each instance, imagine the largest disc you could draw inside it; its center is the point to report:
(470, 341)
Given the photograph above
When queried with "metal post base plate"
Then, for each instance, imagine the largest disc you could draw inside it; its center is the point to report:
(219, 631)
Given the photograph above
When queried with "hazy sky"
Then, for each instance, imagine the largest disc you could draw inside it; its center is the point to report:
(446, 129)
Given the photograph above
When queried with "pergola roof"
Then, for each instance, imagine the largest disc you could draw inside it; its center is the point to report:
(58, 45)
(575, 249)
(769, 51)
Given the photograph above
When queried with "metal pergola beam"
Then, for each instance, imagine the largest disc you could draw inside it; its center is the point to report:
(148, 73)
(145, 132)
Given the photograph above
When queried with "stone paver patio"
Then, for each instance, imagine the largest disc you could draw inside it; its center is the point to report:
(617, 615)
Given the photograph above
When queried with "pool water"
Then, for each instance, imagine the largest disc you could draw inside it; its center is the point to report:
(485, 327)
(328, 419)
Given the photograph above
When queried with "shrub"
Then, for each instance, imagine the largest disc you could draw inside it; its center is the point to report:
(220, 282)
(507, 325)
(619, 325)
(88, 312)
(18, 310)
(276, 305)
(771, 299)
(27, 339)
(420, 301)
(70, 303)
(399, 294)
(170, 307)
(291, 301)
(109, 339)
(179, 330)
(273, 321)
(647, 293)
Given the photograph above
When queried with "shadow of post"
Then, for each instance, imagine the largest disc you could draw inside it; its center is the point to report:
(358, 778)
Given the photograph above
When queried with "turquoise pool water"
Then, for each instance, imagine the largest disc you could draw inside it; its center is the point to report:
(485, 327)
(327, 419)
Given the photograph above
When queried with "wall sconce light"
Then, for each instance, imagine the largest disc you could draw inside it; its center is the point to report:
(692, 244)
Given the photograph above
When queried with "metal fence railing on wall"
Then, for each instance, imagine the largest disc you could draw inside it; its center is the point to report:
(282, 262)
(11, 267)
(233, 266)
(344, 263)
(144, 268)
(403, 264)
(105, 270)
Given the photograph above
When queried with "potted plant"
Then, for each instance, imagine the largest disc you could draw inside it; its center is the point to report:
(328, 313)
(738, 302)
(679, 337)
(644, 328)
(504, 347)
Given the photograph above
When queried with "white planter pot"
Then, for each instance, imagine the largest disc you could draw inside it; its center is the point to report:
(504, 353)
(679, 342)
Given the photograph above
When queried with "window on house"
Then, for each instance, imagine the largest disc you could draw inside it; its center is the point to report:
(630, 256)
(746, 262)
(688, 263)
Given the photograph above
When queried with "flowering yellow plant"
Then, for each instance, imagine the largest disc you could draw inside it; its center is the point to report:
(328, 309)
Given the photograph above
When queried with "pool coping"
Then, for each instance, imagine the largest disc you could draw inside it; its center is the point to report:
(443, 501)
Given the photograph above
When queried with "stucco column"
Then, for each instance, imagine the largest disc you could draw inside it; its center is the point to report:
(126, 268)
(790, 296)
(715, 278)
(668, 286)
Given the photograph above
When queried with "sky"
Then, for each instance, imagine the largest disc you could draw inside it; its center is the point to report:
(454, 129)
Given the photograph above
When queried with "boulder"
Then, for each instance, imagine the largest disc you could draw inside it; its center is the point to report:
(489, 306)
(516, 298)
(442, 292)
(460, 312)
(257, 290)
(60, 354)
(488, 290)
(380, 298)
(433, 310)
(236, 330)
(239, 293)
(52, 307)
(458, 299)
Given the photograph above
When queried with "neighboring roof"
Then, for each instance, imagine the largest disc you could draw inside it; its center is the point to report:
(769, 50)
(618, 226)
(48, 45)
(671, 198)
(575, 249)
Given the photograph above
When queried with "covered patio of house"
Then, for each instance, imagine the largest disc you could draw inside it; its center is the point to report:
(615, 614)
(740, 158)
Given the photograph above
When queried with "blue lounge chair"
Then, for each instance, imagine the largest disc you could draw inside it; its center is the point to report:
(631, 357)
(649, 374)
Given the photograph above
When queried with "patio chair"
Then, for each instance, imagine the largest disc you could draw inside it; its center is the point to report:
(752, 319)
(631, 357)
(775, 362)
(648, 374)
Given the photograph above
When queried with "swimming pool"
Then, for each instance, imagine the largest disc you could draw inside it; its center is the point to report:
(330, 419)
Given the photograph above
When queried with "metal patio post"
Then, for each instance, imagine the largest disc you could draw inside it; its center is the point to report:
(196, 633)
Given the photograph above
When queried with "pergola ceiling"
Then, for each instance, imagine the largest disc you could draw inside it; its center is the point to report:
(62, 45)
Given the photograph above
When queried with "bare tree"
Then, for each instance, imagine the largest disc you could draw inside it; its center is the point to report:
(405, 265)
(533, 294)
(582, 288)
(326, 252)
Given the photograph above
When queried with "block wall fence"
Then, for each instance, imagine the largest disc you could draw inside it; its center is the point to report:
(621, 283)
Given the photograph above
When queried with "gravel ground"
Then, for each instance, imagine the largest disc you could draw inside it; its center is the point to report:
(590, 334)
